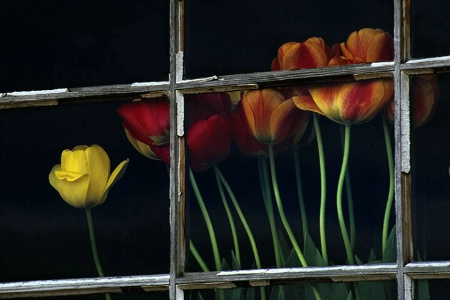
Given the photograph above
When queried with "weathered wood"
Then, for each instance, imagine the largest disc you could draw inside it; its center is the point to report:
(83, 286)
(428, 270)
(102, 93)
(226, 279)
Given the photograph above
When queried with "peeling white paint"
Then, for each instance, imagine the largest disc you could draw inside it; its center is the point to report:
(180, 114)
(382, 63)
(41, 92)
(426, 60)
(140, 84)
(405, 126)
(205, 79)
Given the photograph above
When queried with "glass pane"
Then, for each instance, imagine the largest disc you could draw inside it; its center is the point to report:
(41, 236)
(339, 291)
(226, 37)
(429, 30)
(430, 169)
(268, 185)
(51, 44)
(432, 289)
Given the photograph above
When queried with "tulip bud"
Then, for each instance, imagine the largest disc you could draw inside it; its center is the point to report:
(83, 178)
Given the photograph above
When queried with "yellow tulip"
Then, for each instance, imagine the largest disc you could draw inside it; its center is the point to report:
(83, 178)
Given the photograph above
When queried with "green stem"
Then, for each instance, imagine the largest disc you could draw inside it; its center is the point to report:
(284, 220)
(348, 248)
(198, 257)
(94, 246)
(209, 226)
(230, 220)
(241, 216)
(323, 190)
(347, 244)
(267, 196)
(390, 199)
(301, 200)
(220, 176)
(348, 188)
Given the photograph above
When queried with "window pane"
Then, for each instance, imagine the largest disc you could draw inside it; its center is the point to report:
(54, 45)
(428, 28)
(339, 291)
(430, 169)
(432, 289)
(41, 236)
(226, 37)
(297, 207)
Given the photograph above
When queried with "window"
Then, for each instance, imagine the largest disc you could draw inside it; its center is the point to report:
(83, 67)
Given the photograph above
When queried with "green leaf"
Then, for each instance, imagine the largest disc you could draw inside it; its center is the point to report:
(312, 254)
(234, 263)
(371, 290)
(350, 296)
(423, 290)
(390, 252)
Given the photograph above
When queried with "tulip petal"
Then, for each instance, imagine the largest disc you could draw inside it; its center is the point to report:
(115, 176)
(258, 107)
(308, 54)
(306, 102)
(99, 167)
(142, 148)
(75, 160)
(74, 191)
(286, 120)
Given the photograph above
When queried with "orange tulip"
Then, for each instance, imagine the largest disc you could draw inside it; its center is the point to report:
(368, 45)
(272, 119)
(425, 93)
(312, 53)
(348, 103)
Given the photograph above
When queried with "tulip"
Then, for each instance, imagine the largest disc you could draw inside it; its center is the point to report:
(312, 53)
(348, 103)
(148, 123)
(368, 45)
(243, 138)
(209, 133)
(425, 93)
(272, 119)
(83, 178)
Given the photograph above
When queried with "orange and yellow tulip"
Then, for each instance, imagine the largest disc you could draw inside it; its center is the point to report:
(348, 103)
(368, 45)
(311, 53)
(271, 118)
(425, 93)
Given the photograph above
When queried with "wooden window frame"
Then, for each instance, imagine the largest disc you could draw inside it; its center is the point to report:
(404, 271)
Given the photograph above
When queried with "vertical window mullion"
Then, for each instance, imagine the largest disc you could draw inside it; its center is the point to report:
(402, 148)
(176, 152)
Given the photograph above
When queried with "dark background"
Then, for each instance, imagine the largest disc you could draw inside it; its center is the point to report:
(53, 44)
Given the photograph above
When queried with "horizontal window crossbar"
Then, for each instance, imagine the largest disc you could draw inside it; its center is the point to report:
(428, 270)
(83, 286)
(56, 96)
(262, 277)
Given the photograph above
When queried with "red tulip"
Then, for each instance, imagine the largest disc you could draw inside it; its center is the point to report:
(271, 119)
(148, 122)
(425, 93)
(209, 133)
